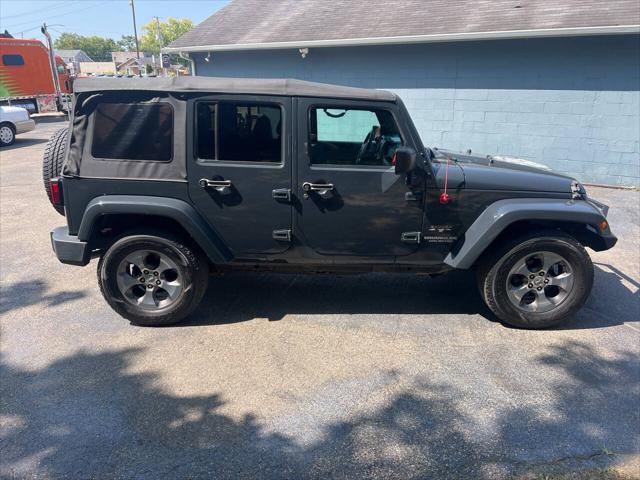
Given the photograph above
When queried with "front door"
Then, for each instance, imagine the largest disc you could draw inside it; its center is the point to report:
(352, 202)
(239, 170)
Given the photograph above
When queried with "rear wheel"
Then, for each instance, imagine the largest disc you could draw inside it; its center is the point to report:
(536, 281)
(7, 134)
(153, 279)
(52, 161)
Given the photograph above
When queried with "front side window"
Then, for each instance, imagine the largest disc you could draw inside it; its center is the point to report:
(340, 136)
(231, 131)
(12, 60)
(133, 131)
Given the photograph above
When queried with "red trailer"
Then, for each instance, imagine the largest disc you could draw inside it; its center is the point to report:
(26, 76)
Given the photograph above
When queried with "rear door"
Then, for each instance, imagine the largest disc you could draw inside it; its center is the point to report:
(239, 169)
(352, 202)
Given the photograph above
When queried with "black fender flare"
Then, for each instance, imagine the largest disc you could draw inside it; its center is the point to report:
(499, 215)
(173, 208)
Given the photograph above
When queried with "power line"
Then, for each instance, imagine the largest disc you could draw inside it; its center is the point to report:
(68, 28)
(25, 31)
(39, 10)
(70, 12)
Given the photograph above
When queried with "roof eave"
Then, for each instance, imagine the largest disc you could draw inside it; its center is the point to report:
(445, 37)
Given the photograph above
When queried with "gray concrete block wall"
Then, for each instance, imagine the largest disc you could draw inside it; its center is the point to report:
(572, 104)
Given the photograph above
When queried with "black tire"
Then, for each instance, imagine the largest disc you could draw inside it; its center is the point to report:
(11, 132)
(193, 271)
(52, 161)
(493, 273)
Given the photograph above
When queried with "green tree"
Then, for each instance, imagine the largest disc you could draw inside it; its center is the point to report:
(170, 29)
(127, 43)
(98, 48)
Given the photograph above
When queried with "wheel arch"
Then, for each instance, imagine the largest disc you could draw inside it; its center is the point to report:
(122, 211)
(507, 218)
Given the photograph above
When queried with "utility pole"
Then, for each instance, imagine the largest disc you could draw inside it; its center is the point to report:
(135, 34)
(158, 32)
(52, 64)
(159, 42)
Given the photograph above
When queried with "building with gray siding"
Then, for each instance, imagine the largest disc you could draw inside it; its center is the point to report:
(73, 59)
(552, 82)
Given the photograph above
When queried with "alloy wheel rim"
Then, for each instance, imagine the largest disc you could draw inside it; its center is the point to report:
(149, 280)
(6, 135)
(539, 282)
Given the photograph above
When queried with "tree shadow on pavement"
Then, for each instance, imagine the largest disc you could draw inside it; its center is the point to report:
(34, 292)
(596, 411)
(93, 415)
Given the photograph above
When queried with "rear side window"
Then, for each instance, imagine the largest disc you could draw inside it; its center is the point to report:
(242, 132)
(133, 131)
(12, 60)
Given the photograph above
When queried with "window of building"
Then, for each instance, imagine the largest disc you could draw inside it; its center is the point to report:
(340, 136)
(12, 60)
(133, 131)
(231, 131)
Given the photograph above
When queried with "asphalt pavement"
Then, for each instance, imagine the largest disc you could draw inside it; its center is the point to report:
(293, 376)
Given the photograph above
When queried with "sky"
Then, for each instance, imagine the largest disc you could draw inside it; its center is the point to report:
(106, 18)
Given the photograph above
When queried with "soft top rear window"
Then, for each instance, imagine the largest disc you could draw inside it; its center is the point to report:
(133, 131)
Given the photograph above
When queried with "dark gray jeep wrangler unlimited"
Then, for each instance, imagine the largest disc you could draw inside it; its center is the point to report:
(165, 180)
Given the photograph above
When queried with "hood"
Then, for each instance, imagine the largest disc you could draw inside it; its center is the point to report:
(10, 109)
(505, 173)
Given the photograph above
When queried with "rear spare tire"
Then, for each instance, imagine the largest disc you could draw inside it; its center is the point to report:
(52, 161)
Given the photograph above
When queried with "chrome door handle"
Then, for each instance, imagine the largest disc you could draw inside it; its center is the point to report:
(221, 186)
(317, 187)
(322, 189)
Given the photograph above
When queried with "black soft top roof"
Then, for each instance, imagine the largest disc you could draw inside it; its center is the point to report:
(268, 86)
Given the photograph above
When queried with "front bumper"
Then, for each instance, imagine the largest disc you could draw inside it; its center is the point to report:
(68, 248)
(601, 240)
(24, 126)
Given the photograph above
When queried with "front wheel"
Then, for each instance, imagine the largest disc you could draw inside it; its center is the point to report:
(7, 134)
(536, 281)
(153, 279)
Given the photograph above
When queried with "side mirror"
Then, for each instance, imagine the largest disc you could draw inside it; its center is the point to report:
(404, 160)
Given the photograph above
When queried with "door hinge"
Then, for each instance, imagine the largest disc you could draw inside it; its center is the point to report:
(281, 235)
(281, 194)
(411, 237)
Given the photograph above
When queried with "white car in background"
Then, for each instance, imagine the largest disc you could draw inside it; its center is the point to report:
(13, 121)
